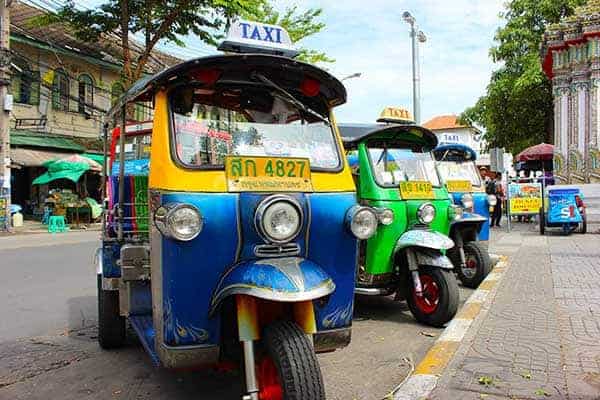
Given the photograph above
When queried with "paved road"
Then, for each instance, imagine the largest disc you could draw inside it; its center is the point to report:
(540, 337)
(48, 345)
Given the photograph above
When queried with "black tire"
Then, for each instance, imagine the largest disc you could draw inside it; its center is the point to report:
(583, 225)
(295, 360)
(542, 222)
(474, 251)
(447, 304)
(111, 326)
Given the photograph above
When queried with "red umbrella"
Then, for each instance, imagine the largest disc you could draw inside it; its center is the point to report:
(539, 152)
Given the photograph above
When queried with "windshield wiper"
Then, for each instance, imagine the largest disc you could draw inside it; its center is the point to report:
(290, 98)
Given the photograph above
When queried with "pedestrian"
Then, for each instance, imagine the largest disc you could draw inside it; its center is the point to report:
(499, 193)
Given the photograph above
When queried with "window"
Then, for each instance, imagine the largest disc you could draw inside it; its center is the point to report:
(243, 122)
(25, 83)
(466, 171)
(394, 165)
(60, 91)
(115, 92)
(85, 99)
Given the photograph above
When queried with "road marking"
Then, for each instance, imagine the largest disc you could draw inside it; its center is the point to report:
(428, 371)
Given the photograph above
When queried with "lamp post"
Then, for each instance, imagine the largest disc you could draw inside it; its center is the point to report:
(354, 75)
(417, 37)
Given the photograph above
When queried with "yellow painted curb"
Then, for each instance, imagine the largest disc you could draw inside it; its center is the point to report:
(437, 358)
(487, 285)
(469, 311)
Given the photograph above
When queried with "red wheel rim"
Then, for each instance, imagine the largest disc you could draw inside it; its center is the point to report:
(269, 386)
(428, 302)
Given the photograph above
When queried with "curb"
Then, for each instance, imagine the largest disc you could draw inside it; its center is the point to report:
(427, 373)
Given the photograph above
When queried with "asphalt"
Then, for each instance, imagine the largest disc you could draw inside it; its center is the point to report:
(48, 343)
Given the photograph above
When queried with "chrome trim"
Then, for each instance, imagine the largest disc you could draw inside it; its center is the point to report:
(250, 370)
(420, 212)
(264, 293)
(273, 250)
(469, 219)
(331, 340)
(98, 261)
(110, 283)
(163, 213)
(266, 203)
(187, 356)
(372, 291)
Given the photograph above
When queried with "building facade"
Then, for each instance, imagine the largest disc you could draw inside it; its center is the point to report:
(571, 59)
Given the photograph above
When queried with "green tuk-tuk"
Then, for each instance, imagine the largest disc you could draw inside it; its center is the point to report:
(395, 174)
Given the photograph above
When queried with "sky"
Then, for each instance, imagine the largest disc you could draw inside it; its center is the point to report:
(370, 37)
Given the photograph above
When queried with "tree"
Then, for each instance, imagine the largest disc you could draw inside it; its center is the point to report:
(517, 109)
(168, 21)
(299, 26)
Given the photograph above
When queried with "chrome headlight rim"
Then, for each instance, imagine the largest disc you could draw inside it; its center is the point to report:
(351, 218)
(492, 200)
(164, 215)
(385, 216)
(264, 205)
(455, 212)
(467, 201)
(424, 218)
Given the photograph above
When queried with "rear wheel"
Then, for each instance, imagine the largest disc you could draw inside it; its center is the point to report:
(542, 222)
(111, 326)
(477, 265)
(439, 301)
(290, 369)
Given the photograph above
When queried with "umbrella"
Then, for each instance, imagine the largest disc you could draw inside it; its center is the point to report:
(62, 169)
(539, 152)
(76, 158)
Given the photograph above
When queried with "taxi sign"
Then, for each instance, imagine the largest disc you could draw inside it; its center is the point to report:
(255, 37)
(268, 174)
(397, 115)
(416, 190)
(457, 185)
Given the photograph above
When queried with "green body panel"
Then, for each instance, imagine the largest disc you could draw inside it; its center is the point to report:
(380, 247)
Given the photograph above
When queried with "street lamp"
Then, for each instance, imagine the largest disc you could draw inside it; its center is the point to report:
(354, 75)
(417, 37)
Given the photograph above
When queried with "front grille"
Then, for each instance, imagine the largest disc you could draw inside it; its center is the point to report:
(276, 250)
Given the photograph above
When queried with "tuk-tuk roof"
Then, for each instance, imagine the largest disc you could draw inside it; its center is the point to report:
(454, 152)
(352, 134)
(330, 88)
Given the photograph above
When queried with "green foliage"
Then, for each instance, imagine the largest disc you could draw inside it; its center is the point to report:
(298, 24)
(517, 109)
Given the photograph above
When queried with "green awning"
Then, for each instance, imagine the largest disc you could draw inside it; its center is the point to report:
(61, 170)
(27, 138)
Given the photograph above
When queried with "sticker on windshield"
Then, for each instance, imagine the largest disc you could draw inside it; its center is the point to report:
(411, 190)
(268, 174)
(457, 185)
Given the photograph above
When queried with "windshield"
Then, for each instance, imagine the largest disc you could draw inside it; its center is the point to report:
(252, 124)
(392, 166)
(463, 171)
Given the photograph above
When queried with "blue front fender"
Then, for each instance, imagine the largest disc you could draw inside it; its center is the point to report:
(288, 279)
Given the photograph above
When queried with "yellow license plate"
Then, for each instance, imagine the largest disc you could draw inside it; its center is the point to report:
(416, 190)
(268, 174)
(459, 186)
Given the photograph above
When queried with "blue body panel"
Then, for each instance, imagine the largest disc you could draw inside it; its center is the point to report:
(223, 255)
(481, 208)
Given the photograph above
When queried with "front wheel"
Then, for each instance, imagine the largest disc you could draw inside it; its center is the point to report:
(477, 265)
(111, 325)
(290, 369)
(439, 301)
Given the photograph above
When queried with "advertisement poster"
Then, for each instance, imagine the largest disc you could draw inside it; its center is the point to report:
(525, 198)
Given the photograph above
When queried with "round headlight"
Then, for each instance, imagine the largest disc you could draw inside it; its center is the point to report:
(183, 222)
(467, 200)
(279, 219)
(426, 213)
(386, 216)
(492, 200)
(363, 222)
(455, 212)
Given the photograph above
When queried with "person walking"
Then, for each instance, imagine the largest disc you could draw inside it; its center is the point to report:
(499, 193)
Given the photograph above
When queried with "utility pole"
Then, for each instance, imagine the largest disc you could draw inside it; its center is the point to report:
(5, 107)
(417, 37)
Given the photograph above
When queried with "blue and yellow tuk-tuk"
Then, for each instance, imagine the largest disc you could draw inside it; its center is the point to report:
(564, 209)
(240, 245)
(457, 170)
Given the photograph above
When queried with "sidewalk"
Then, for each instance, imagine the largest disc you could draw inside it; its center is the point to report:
(538, 336)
